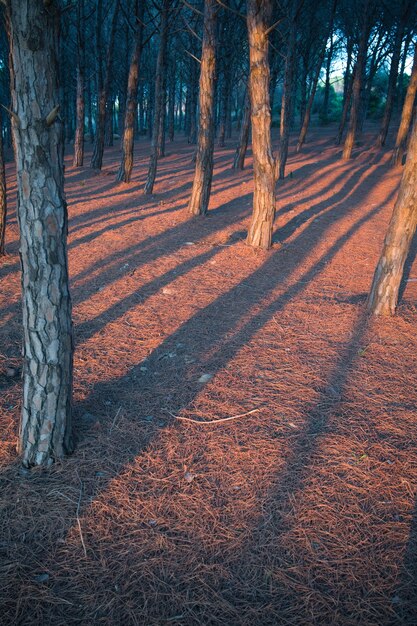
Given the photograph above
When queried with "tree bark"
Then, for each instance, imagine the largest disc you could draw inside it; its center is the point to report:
(240, 154)
(126, 164)
(159, 114)
(3, 195)
(307, 115)
(45, 429)
(357, 86)
(264, 167)
(406, 115)
(287, 102)
(200, 194)
(383, 297)
(345, 111)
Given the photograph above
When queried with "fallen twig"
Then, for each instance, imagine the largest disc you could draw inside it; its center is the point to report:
(224, 419)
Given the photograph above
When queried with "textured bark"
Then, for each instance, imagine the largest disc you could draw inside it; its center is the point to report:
(200, 194)
(159, 113)
(357, 86)
(406, 115)
(346, 104)
(3, 197)
(264, 167)
(240, 154)
(103, 83)
(171, 104)
(45, 429)
(392, 82)
(383, 297)
(126, 164)
(80, 106)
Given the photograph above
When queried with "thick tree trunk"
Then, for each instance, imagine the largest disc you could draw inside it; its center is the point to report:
(392, 82)
(406, 115)
(80, 106)
(3, 195)
(45, 430)
(200, 194)
(103, 83)
(240, 154)
(159, 116)
(126, 164)
(387, 279)
(264, 167)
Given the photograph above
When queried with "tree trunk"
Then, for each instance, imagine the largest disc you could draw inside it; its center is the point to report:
(240, 154)
(406, 115)
(264, 167)
(357, 86)
(45, 429)
(287, 102)
(103, 83)
(80, 107)
(159, 115)
(383, 297)
(392, 82)
(171, 103)
(3, 196)
(307, 115)
(200, 194)
(345, 110)
(126, 164)
(324, 114)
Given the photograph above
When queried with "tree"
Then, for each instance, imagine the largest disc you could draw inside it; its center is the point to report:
(45, 429)
(200, 194)
(3, 195)
(264, 167)
(126, 164)
(386, 283)
(240, 154)
(80, 107)
(406, 115)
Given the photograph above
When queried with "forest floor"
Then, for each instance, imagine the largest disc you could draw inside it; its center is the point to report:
(301, 512)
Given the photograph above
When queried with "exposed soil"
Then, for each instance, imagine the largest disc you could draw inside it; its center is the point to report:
(300, 513)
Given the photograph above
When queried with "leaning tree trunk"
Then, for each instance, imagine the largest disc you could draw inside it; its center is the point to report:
(80, 106)
(264, 167)
(406, 115)
(3, 196)
(388, 274)
(159, 113)
(45, 429)
(357, 87)
(240, 154)
(200, 194)
(126, 164)
(392, 82)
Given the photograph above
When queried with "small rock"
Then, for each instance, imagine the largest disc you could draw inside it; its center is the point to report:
(205, 378)
(143, 369)
(189, 243)
(11, 372)
(167, 292)
(189, 477)
(148, 418)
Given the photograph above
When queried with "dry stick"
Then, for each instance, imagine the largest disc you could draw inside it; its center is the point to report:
(224, 419)
(78, 520)
(115, 418)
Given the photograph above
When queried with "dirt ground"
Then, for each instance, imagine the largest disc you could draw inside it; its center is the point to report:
(300, 512)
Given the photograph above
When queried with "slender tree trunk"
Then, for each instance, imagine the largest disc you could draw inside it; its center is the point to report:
(126, 164)
(171, 103)
(324, 114)
(103, 83)
(345, 110)
(392, 82)
(200, 194)
(90, 113)
(240, 154)
(383, 297)
(307, 115)
(80, 107)
(3, 195)
(45, 429)
(400, 82)
(287, 102)
(264, 167)
(406, 116)
(357, 87)
(159, 117)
